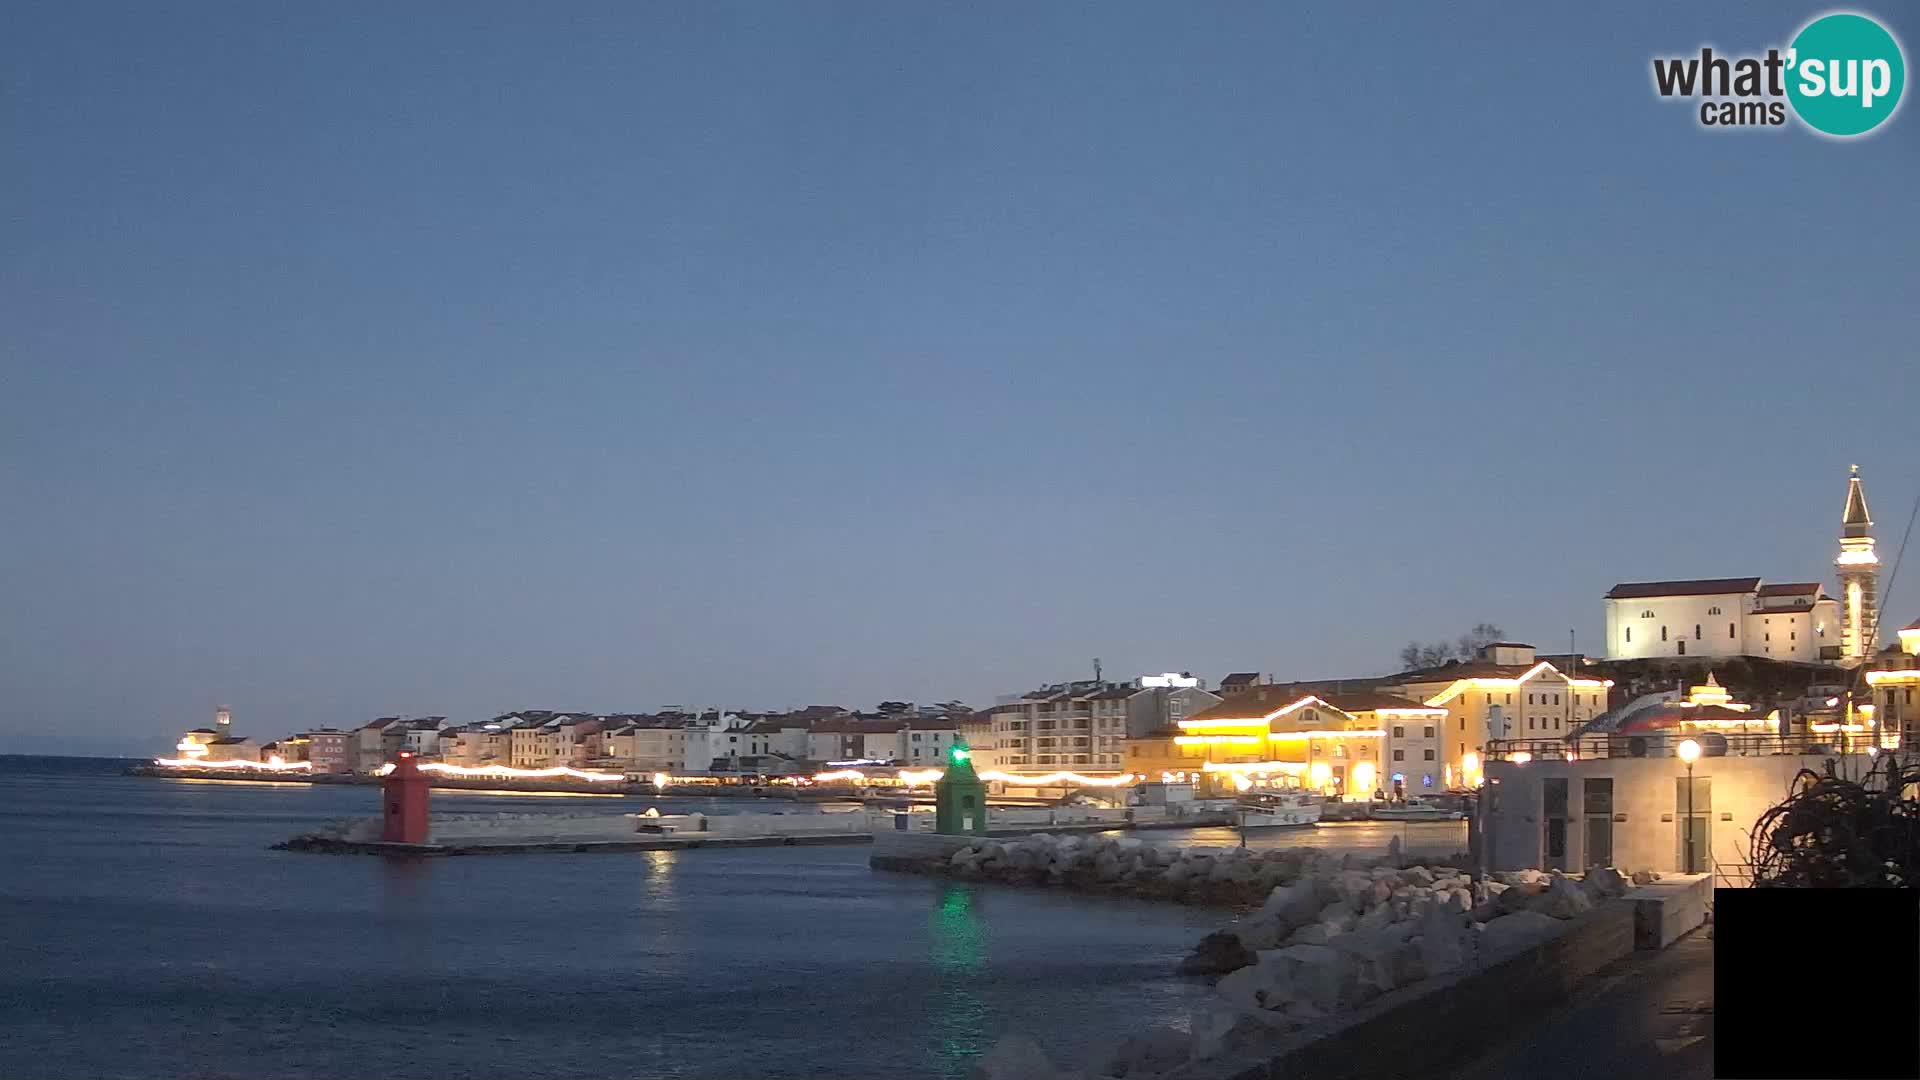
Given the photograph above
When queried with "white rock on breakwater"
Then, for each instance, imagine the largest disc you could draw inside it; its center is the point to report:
(1130, 866)
(1331, 934)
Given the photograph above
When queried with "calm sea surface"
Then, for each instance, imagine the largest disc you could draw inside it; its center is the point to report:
(147, 931)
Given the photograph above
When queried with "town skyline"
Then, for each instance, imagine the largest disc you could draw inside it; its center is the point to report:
(723, 355)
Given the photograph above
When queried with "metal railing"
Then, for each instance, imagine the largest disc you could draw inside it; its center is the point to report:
(1667, 743)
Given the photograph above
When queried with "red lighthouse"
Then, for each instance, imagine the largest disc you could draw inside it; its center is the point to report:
(405, 799)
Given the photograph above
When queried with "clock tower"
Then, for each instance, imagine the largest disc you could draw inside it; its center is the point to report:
(1859, 571)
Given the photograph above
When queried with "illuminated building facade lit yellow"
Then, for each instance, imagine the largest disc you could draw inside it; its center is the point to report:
(1507, 693)
(1893, 680)
(1274, 738)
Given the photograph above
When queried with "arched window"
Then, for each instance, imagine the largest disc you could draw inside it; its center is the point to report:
(1730, 630)
(1663, 633)
(1713, 611)
(1647, 614)
(1696, 631)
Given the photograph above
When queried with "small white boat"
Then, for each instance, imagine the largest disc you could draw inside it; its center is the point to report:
(1414, 810)
(1276, 814)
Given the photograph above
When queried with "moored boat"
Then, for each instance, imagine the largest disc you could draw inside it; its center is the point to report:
(1414, 810)
(1276, 812)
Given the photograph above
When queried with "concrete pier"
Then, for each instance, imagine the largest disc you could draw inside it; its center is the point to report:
(473, 834)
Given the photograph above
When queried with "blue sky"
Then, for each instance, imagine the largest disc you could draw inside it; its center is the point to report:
(610, 356)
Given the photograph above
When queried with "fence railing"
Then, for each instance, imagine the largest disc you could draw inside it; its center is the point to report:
(1667, 744)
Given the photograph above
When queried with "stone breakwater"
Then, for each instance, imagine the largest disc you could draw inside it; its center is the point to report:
(1329, 934)
(1128, 866)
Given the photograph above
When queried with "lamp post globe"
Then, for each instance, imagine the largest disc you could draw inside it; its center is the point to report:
(1689, 752)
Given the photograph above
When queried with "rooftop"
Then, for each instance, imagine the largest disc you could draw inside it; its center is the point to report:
(1633, 590)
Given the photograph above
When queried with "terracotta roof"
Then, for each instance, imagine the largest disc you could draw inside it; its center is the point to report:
(855, 725)
(1477, 669)
(1258, 701)
(1797, 588)
(1633, 590)
(1370, 701)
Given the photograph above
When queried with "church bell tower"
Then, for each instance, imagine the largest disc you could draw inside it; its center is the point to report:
(1859, 573)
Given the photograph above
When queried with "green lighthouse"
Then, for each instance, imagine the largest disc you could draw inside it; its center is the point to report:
(959, 797)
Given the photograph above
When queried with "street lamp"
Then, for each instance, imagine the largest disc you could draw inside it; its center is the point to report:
(1689, 752)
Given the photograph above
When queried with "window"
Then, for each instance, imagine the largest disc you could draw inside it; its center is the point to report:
(1663, 633)
(1529, 699)
(1529, 723)
(1696, 631)
(1713, 611)
(1399, 732)
(1682, 648)
(1647, 614)
(1401, 755)
(1430, 730)
(1793, 635)
(1429, 755)
(1463, 723)
(1729, 630)
(1629, 635)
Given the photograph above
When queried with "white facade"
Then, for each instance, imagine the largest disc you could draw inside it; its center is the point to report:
(1515, 696)
(1721, 618)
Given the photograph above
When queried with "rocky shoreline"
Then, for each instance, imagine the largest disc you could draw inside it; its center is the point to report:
(1322, 934)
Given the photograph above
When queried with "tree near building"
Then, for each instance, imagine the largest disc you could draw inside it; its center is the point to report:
(1415, 656)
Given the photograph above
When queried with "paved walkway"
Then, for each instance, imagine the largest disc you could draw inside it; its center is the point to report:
(1649, 1014)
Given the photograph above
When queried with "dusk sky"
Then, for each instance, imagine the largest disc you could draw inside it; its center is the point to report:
(359, 360)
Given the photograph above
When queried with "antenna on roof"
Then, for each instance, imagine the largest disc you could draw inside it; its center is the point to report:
(1096, 669)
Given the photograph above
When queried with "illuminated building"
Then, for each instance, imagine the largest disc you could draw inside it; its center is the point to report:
(1722, 617)
(1506, 693)
(1859, 570)
(1726, 617)
(1278, 738)
(217, 743)
(1893, 679)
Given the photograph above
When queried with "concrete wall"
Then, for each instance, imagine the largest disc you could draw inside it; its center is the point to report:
(1648, 805)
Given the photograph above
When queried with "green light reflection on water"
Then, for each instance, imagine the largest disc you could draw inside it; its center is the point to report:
(959, 1014)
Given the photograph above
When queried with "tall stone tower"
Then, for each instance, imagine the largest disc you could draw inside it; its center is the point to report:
(223, 722)
(1859, 574)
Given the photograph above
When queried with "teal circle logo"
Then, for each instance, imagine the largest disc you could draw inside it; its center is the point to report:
(1845, 74)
